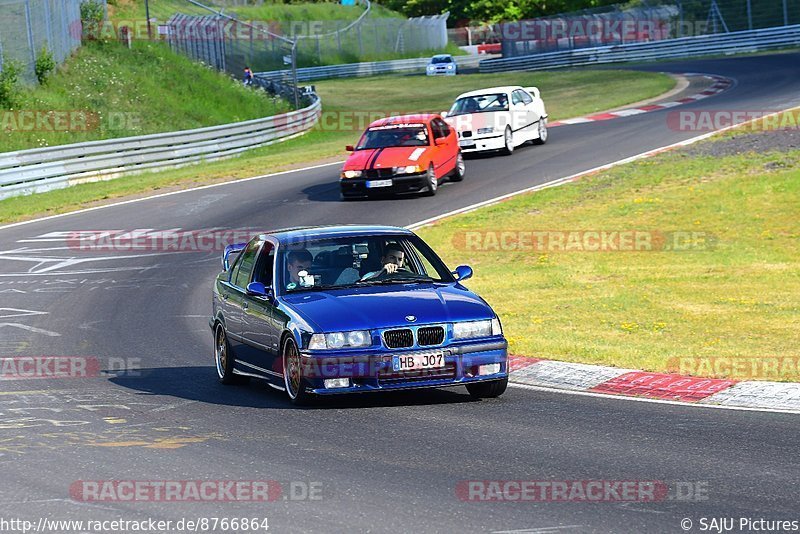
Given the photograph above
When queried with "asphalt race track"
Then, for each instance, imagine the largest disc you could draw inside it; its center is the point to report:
(378, 463)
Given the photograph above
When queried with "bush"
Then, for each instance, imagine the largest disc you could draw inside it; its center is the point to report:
(44, 65)
(9, 78)
(92, 15)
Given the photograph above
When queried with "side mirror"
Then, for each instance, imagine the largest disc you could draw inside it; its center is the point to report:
(257, 289)
(443, 114)
(439, 141)
(463, 272)
(350, 148)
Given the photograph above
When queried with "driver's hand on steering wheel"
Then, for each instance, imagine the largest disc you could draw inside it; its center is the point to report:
(390, 268)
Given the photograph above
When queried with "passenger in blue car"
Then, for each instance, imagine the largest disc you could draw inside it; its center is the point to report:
(297, 261)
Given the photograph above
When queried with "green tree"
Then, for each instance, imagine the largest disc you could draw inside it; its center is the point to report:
(9, 83)
(44, 64)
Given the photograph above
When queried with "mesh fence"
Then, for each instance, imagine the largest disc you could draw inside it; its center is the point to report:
(650, 21)
(26, 26)
(231, 42)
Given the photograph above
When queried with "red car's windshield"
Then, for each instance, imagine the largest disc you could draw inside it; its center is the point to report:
(394, 135)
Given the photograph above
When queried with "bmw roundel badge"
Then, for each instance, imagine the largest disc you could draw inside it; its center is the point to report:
(411, 318)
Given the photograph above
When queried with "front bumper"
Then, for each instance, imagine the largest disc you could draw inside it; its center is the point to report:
(373, 371)
(482, 144)
(441, 72)
(401, 184)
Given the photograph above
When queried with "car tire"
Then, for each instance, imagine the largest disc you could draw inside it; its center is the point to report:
(542, 139)
(223, 358)
(460, 170)
(292, 374)
(488, 390)
(508, 137)
(432, 181)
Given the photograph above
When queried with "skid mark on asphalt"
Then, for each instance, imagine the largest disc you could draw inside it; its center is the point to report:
(37, 420)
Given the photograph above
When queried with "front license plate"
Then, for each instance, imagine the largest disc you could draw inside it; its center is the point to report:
(372, 184)
(466, 143)
(414, 362)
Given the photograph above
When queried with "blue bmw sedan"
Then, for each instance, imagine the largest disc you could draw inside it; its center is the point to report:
(348, 309)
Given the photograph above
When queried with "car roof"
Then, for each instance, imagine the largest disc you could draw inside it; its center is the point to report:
(490, 90)
(290, 235)
(443, 55)
(400, 119)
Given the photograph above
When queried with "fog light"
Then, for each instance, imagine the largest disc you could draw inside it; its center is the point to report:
(489, 369)
(338, 383)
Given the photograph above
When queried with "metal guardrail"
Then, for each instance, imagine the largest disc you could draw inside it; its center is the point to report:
(371, 68)
(44, 169)
(721, 43)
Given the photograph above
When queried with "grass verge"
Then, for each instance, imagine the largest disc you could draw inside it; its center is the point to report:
(107, 90)
(717, 294)
(347, 105)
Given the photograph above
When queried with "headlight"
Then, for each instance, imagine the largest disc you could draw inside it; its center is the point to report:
(351, 174)
(339, 340)
(497, 329)
(410, 169)
(472, 329)
(431, 67)
(450, 66)
(485, 130)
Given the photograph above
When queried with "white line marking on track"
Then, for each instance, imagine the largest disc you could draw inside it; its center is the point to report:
(31, 329)
(6, 313)
(161, 195)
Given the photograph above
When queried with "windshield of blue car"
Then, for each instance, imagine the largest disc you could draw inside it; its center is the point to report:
(441, 59)
(480, 104)
(393, 135)
(334, 263)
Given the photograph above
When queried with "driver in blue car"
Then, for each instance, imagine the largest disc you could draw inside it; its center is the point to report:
(392, 260)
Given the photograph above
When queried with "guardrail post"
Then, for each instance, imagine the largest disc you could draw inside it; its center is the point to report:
(294, 75)
(785, 13)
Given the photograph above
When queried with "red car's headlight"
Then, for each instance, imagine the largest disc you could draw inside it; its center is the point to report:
(351, 174)
(410, 169)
